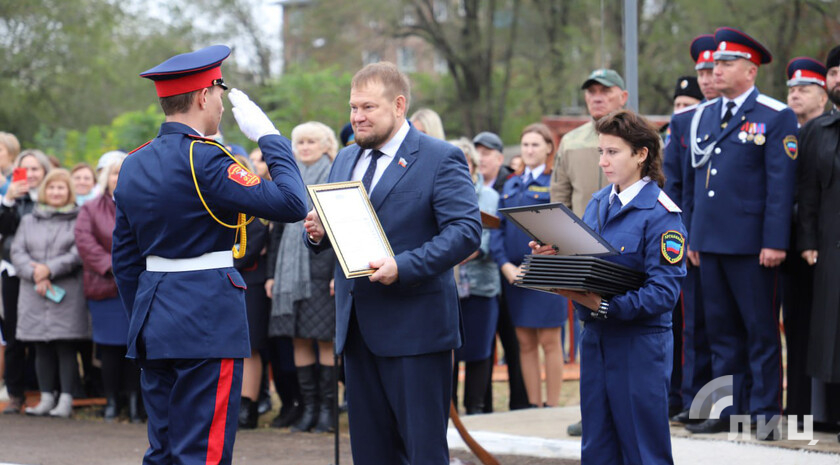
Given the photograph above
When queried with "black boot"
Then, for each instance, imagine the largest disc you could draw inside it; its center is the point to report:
(308, 380)
(111, 410)
(135, 407)
(248, 414)
(326, 384)
(289, 414)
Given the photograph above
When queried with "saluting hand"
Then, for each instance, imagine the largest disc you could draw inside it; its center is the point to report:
(313, 226)
(252, 121)
(771, 257)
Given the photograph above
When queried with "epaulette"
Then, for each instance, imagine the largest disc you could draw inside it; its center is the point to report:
(686, 109)
(770, 102)
(138, 148)
(201, 138)
(668, 203)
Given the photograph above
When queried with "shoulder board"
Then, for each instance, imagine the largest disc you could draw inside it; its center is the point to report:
(686, 109)
(138, 148)
(203, 139)
(668, 203)
(770, 102)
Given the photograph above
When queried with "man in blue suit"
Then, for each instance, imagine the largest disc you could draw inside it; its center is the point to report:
(743, 149)
(397, 328)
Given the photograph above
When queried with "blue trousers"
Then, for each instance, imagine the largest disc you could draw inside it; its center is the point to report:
(697, 356)
(398, 407)
(743, 329)
(193, 407)
(624, 378)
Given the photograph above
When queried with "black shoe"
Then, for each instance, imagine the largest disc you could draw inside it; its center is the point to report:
(684, 418)
(289, 414)
(575, 429)
(308, 380)
(248, 415)
(111, 411)
(326, 414)
(264, 405)
(674, 410)
(709, 426)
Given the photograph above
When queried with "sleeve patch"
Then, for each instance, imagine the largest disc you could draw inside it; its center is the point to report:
(241, 176)
(673, 247)
(791, 146)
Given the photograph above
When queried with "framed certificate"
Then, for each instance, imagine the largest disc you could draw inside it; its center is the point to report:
(554, 223)
(352, 226)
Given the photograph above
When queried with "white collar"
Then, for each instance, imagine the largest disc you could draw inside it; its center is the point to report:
(739, 100)
(630, 193)
(539, 170)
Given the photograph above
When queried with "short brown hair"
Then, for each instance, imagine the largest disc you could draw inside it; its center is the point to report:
(386, 73)
(83, 166)
(61, 175)
(638, 133)
(543, 131)
(179, 103)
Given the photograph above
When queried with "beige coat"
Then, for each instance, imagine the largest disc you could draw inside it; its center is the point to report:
(576, 174)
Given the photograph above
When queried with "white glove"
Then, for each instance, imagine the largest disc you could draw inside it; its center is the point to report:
(251, 119)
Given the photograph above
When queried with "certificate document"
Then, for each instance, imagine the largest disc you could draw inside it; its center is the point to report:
(352, 226)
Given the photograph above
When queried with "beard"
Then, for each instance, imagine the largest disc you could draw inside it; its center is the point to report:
(834, 95)
(374, 140)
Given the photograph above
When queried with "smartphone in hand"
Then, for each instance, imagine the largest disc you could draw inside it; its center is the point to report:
(56, 294)
(19, 174)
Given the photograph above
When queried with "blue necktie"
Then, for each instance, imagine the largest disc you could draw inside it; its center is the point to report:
(615, 206)
(368, 176)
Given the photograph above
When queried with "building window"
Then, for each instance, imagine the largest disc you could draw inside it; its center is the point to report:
(369, 57)
(440, 10)
(406, 60)
(441, 65)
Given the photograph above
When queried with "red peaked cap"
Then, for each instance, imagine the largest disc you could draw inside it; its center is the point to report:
(188, 71)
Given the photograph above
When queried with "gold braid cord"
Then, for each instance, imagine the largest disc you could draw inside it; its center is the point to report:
(241, 220)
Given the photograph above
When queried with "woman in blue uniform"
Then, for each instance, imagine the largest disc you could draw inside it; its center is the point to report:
(626, 345)
(537, 316)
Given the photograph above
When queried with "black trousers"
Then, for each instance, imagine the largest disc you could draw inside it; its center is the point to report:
(53, 355)
(118, 373)
(507, 335)
(20, 365)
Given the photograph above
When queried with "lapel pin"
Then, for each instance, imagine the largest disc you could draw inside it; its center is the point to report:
(402, 162)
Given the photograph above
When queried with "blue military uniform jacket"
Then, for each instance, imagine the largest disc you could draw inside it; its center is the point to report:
(679, 175)
(646, 233)
(509, 243)
(743, 194)
(192, 314)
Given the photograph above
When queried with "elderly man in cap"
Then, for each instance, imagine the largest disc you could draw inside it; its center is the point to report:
(491, 161)
(807, 95)
(696, 367)
(818, 227)
(181, 202)
(743, 150)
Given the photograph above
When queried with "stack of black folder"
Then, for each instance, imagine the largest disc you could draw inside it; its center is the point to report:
(550, 273)
(577, 266)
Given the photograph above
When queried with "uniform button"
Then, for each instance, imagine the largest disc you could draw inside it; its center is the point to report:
(714, 171)
(699, 139)
(711, 193)
(717, 149)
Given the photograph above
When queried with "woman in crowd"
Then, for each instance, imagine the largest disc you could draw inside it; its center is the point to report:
(252, 267)
(19, 199)
(428, 122)
(537, 316)
(9, 150)
(302, 302)
(478, 289)
(626, 344)
(93, 230)
(52, 311)
(84, 183)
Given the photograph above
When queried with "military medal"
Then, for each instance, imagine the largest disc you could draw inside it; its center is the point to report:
(742, 136)
(759, 139)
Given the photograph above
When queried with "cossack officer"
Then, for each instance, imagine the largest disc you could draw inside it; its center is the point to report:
(743, 152)
(181, 202)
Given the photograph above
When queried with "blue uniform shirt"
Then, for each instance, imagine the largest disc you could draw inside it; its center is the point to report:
(192, 314)
(641, 232)
(508, 243)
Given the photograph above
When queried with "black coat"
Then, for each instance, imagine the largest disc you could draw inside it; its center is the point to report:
(818, 228)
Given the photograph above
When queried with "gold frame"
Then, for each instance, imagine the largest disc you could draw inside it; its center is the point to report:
(315, 190)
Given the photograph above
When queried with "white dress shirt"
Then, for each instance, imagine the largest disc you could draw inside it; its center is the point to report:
(389, 151)
(630, 193)
(739, 100)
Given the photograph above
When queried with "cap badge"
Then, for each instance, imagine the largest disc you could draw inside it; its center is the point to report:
(683, 84)
(798, 73)
(722, 46)
(707, 54)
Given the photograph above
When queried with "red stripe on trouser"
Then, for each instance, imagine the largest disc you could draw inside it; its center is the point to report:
(216, 439)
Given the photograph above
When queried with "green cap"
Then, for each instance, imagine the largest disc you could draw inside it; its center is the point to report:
(606, 77)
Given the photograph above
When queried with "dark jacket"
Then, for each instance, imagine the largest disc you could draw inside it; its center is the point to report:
(818, 228)
(505, 173)
(9, 221)
(94, 229)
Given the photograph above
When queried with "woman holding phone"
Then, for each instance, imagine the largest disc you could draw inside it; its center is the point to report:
(627, 344)
(51, 307)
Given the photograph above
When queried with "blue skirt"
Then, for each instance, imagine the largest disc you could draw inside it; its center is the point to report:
(481, 315)
(110, 322)
(535, 309)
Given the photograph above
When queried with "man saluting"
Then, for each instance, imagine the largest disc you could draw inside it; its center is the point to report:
(181, 202)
